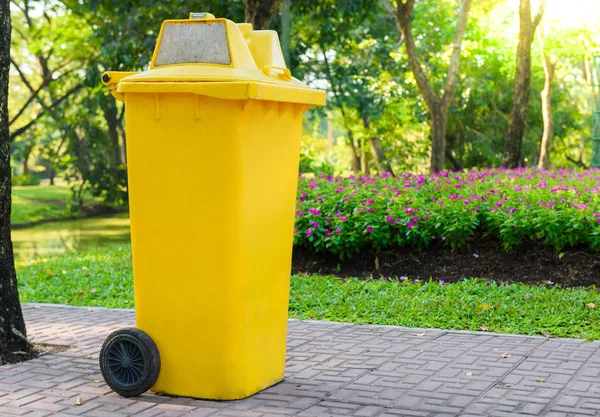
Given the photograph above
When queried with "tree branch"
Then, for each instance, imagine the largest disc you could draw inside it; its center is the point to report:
(540, 14)
(580, 164)
(403, 18)
(22, 75)
(27, 103)
(54, 104)
(389, 7)
(452, 77)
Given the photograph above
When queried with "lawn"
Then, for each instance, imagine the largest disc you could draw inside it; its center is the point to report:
(32, 204)
(103, 277)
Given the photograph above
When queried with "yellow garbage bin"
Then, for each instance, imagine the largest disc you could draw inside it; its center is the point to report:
(213, 138)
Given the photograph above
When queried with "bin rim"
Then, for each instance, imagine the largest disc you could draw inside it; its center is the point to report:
(238, 90)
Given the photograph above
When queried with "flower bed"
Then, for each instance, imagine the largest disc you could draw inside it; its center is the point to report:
(344, 216)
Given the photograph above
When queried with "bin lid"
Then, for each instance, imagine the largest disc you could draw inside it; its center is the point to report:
(216, 57)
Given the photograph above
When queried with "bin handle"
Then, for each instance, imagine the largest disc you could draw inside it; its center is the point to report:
(284, 72)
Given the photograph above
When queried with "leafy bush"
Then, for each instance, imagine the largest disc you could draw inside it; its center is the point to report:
(26, 179)
(343, 216)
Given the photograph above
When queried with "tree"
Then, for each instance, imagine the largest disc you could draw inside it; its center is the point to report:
(260, 12)
(549, 67)
(522, 86)
(438, 106)
(12, 326)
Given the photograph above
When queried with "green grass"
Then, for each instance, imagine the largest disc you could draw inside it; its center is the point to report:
(36, 203)
(103, 278)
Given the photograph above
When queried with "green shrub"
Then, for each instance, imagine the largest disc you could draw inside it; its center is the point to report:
(26, 179)
(343, 216)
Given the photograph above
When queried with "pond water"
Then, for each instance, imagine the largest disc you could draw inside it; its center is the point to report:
(69, 236)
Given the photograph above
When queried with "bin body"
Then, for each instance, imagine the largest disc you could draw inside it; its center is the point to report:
(213, 168)
(212, 237)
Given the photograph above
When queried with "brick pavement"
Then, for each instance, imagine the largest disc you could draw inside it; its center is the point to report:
(332, 370)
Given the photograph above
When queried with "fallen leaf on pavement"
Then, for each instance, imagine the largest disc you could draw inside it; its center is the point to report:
(79, 400)
(469, 374)
(420, 334)
(506, 356)
(485, 328)
(541, 380)
(97, 381)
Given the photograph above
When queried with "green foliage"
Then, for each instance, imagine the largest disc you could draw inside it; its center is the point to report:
(103, 278)
(344, 216)
(26, 179)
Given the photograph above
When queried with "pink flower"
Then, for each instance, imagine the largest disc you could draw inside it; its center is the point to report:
(309, 232)
(369, 229)
(338, 230)
(410, 225)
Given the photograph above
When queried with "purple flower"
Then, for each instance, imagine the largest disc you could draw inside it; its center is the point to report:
(303, 196)
(415, 219)
(338, 230)
(369, 229)
(339, 189)
(309, 232)
(410, 225)
(299, 213)
(389, 219)
(314, 224)
(498, 204)
(441, 282)
(343, 218)
(402, 278)
(475, 255)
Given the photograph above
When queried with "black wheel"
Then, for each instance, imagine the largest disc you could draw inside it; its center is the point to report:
(129, 362)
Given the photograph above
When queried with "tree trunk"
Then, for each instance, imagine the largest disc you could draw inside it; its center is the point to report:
(260, 12)
(52, 175)
(364, 163)
(13, 336)
(355, 156)
(26, 163)
(286, 30)
(522, 87)
(437, 105)
(438, 138)
(110, 115)
(549, 67)
(377, 151)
